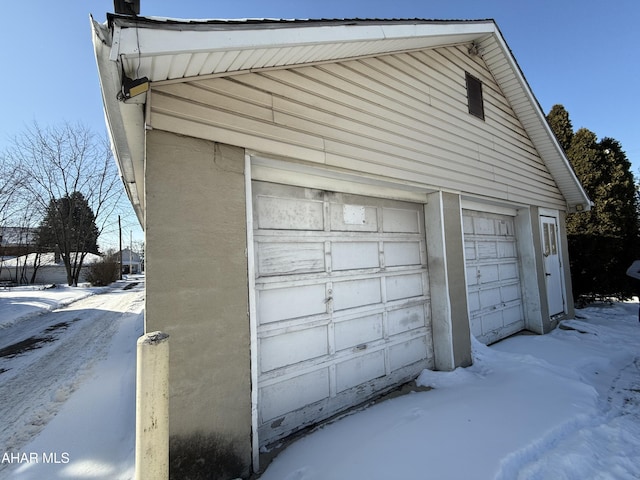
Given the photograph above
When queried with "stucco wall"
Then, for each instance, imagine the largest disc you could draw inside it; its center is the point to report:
(195, 228)
(445, 251)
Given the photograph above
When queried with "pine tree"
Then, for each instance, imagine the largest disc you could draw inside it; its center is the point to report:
(69, 228)
(604, 241)
(560, 123)
(587, 162)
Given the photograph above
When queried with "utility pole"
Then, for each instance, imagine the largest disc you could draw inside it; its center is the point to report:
(120, 252)
(130, 252)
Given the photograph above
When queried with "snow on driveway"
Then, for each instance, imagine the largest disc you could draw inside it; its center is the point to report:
(67, 388)
(20, 303)
(561, 406)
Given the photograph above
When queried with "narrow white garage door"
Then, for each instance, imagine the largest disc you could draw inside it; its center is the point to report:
(342, 302)
(493, 279)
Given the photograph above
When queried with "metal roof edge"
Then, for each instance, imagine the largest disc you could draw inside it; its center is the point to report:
(126, 21)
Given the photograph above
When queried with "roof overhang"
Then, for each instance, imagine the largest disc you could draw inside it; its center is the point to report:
(168, 50)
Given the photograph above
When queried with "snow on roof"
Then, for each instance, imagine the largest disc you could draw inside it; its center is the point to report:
(17, 236)
(46, 260)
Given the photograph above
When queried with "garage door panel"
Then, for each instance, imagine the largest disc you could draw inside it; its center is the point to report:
(405, 286)
(357, 331)
(408, 352)
(492, 321)
(396, 220)
(506, 250)
(490, 298)
(487, 250)
(359, 370)
(473, 301)
(287, 214)
(353, 218)
(291, 394)
(469, 250)
(506, 226)
(510, 293)
(467, 225)
(508, 271)
(488, 273)
(356, 293)
(292, 347)
(483, 226)
(476, 327)
(397, 254)
(472, 276)
(289, 258)
(512, 315)
(301, 301)
(403, 320)
(354, 255)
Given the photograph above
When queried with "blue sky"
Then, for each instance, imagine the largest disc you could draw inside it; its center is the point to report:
(583, 54)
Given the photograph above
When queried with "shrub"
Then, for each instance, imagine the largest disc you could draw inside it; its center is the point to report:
(104, 272)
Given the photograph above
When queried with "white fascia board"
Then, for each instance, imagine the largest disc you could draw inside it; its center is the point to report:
(120, 125)
(150, 41)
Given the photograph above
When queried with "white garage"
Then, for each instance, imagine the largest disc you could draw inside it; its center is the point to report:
(342, 302)
(494, 288)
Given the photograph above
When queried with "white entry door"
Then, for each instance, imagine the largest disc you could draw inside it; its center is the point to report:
(342, 302)
(552, 266)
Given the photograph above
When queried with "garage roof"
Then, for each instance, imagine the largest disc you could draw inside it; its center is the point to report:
(169, 50)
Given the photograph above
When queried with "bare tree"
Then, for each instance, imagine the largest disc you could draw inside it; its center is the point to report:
(13, 236)
(23, 225)
(11, 182)
(58, 162)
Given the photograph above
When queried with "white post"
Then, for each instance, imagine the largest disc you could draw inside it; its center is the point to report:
(152, 407)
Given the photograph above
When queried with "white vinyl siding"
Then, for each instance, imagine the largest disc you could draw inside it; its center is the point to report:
(342, 302)
(494, 291)
(401, 116)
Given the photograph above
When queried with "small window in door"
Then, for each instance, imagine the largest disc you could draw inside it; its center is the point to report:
(474, 96)
(546, 240)
(550, 241)
(554, 243)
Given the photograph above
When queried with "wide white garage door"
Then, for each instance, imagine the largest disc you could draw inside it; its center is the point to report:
(493, 279)
(342, 302)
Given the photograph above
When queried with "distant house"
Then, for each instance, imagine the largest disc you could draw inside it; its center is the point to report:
(16, 241)
(338, 204)
(131, 262)
(48, 267)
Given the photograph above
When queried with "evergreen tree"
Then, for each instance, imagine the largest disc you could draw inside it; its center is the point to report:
(560, 123)
(604, 241)
(587, 162)
(69, 228)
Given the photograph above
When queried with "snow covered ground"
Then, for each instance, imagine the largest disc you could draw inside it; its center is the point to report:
(560, 406)
(67, 381)
(20, 303)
